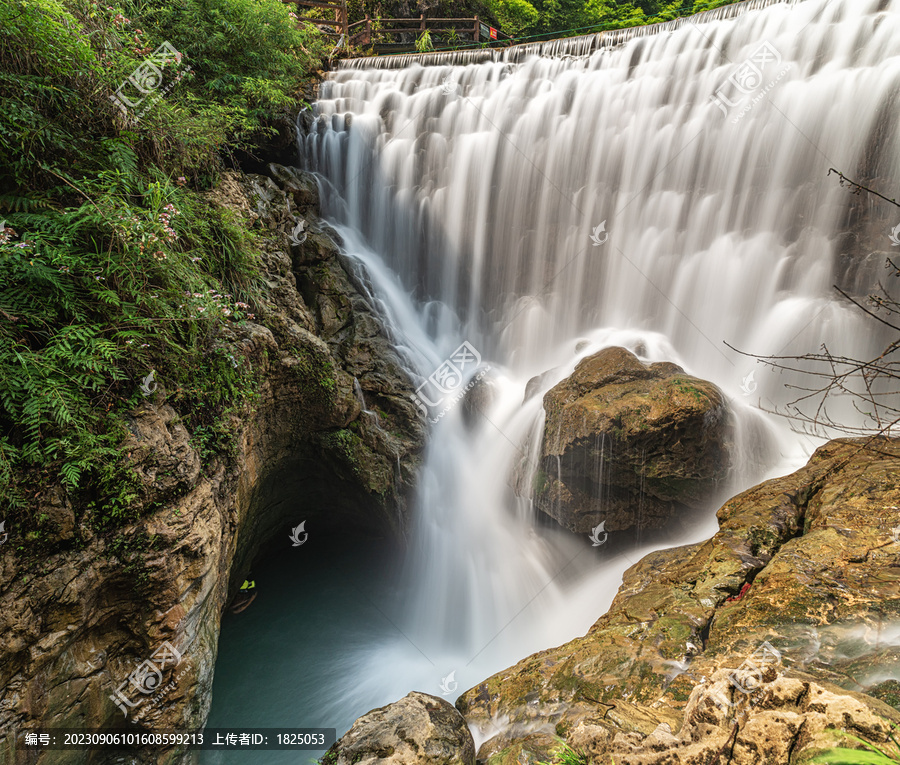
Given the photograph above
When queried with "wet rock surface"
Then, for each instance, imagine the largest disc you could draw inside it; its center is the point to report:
(808, 564)
(79, 623)
(416, 730)
(629, 444)
(786, 720)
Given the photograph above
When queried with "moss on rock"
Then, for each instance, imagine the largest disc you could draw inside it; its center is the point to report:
(806, 562)
(630, 444)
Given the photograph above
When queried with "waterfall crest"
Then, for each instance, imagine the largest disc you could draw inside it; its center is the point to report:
(582, 45)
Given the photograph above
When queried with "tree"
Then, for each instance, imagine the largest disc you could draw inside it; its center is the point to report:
(872, 385)
(514, 16)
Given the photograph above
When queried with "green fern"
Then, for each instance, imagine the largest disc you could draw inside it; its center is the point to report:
(99, 282)
(16, 203)
(124, 163)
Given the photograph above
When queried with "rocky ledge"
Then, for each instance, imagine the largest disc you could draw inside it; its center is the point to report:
(760, 642)
(121, 627)
(767, 643)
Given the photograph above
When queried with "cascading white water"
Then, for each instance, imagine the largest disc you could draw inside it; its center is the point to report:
(471, 195)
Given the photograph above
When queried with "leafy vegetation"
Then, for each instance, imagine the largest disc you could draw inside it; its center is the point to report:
(113, 261)
(566, 755)
(871, 755)
(583, 16)
(423, 43)
(526, 20)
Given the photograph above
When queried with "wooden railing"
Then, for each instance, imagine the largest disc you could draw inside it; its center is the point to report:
(369, 29)
(340, 16)
(379, 32)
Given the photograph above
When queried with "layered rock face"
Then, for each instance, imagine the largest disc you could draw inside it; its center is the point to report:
(756, 643)
(787, 721)
(417, 730)
(79, 625)
(629, 445)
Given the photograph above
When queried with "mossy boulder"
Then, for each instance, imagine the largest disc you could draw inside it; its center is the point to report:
(630, 444)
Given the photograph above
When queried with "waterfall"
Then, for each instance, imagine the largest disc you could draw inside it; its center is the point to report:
(663, 189)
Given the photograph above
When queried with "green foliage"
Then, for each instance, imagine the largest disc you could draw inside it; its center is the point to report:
(423, 43)
(451, 36)
(113, 262)
(853, 757)
(514, 16)
(566, 755)
(871, 755)
(246, 56)
(554, 18)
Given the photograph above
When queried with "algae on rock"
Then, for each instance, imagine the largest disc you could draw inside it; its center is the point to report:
(806, 562)
(630, 445)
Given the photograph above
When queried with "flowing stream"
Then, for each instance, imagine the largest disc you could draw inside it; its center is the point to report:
(667, 193)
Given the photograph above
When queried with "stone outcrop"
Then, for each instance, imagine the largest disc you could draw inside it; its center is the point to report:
(417, 730)
(630, 445)
(787, 720)
(808, 564)
(331, 426)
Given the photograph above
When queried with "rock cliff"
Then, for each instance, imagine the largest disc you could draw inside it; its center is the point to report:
(120, 627)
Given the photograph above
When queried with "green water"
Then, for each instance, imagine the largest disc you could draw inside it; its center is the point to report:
(301, 655)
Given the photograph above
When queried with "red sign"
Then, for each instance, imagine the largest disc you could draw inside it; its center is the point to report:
(493, 33)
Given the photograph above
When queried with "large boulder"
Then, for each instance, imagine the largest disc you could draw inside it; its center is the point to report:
(417, 730)
(630, 444)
